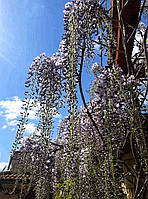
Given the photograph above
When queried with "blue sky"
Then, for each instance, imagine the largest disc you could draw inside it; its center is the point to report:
(27, 28)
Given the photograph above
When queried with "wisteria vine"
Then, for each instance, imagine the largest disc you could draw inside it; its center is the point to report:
(85, 161)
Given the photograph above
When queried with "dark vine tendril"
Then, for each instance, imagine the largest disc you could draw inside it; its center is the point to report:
(81, 91)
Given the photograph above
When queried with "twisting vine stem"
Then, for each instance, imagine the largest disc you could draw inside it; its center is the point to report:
(82, 95)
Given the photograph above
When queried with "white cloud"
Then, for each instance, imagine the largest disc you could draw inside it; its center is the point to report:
(13, 123)
(29, 128)
(2, 165)
(10, 109)
(4, 127)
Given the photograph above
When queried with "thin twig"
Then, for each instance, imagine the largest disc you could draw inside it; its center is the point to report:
(145, 95)
(145, 50)
(137, 184)
(55, 144)
(143, 189)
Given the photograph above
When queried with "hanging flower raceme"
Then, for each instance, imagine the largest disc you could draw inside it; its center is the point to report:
(117, 116)
(86, 162)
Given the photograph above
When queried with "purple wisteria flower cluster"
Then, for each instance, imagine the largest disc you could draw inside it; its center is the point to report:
(85, 160)
(88, 160)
